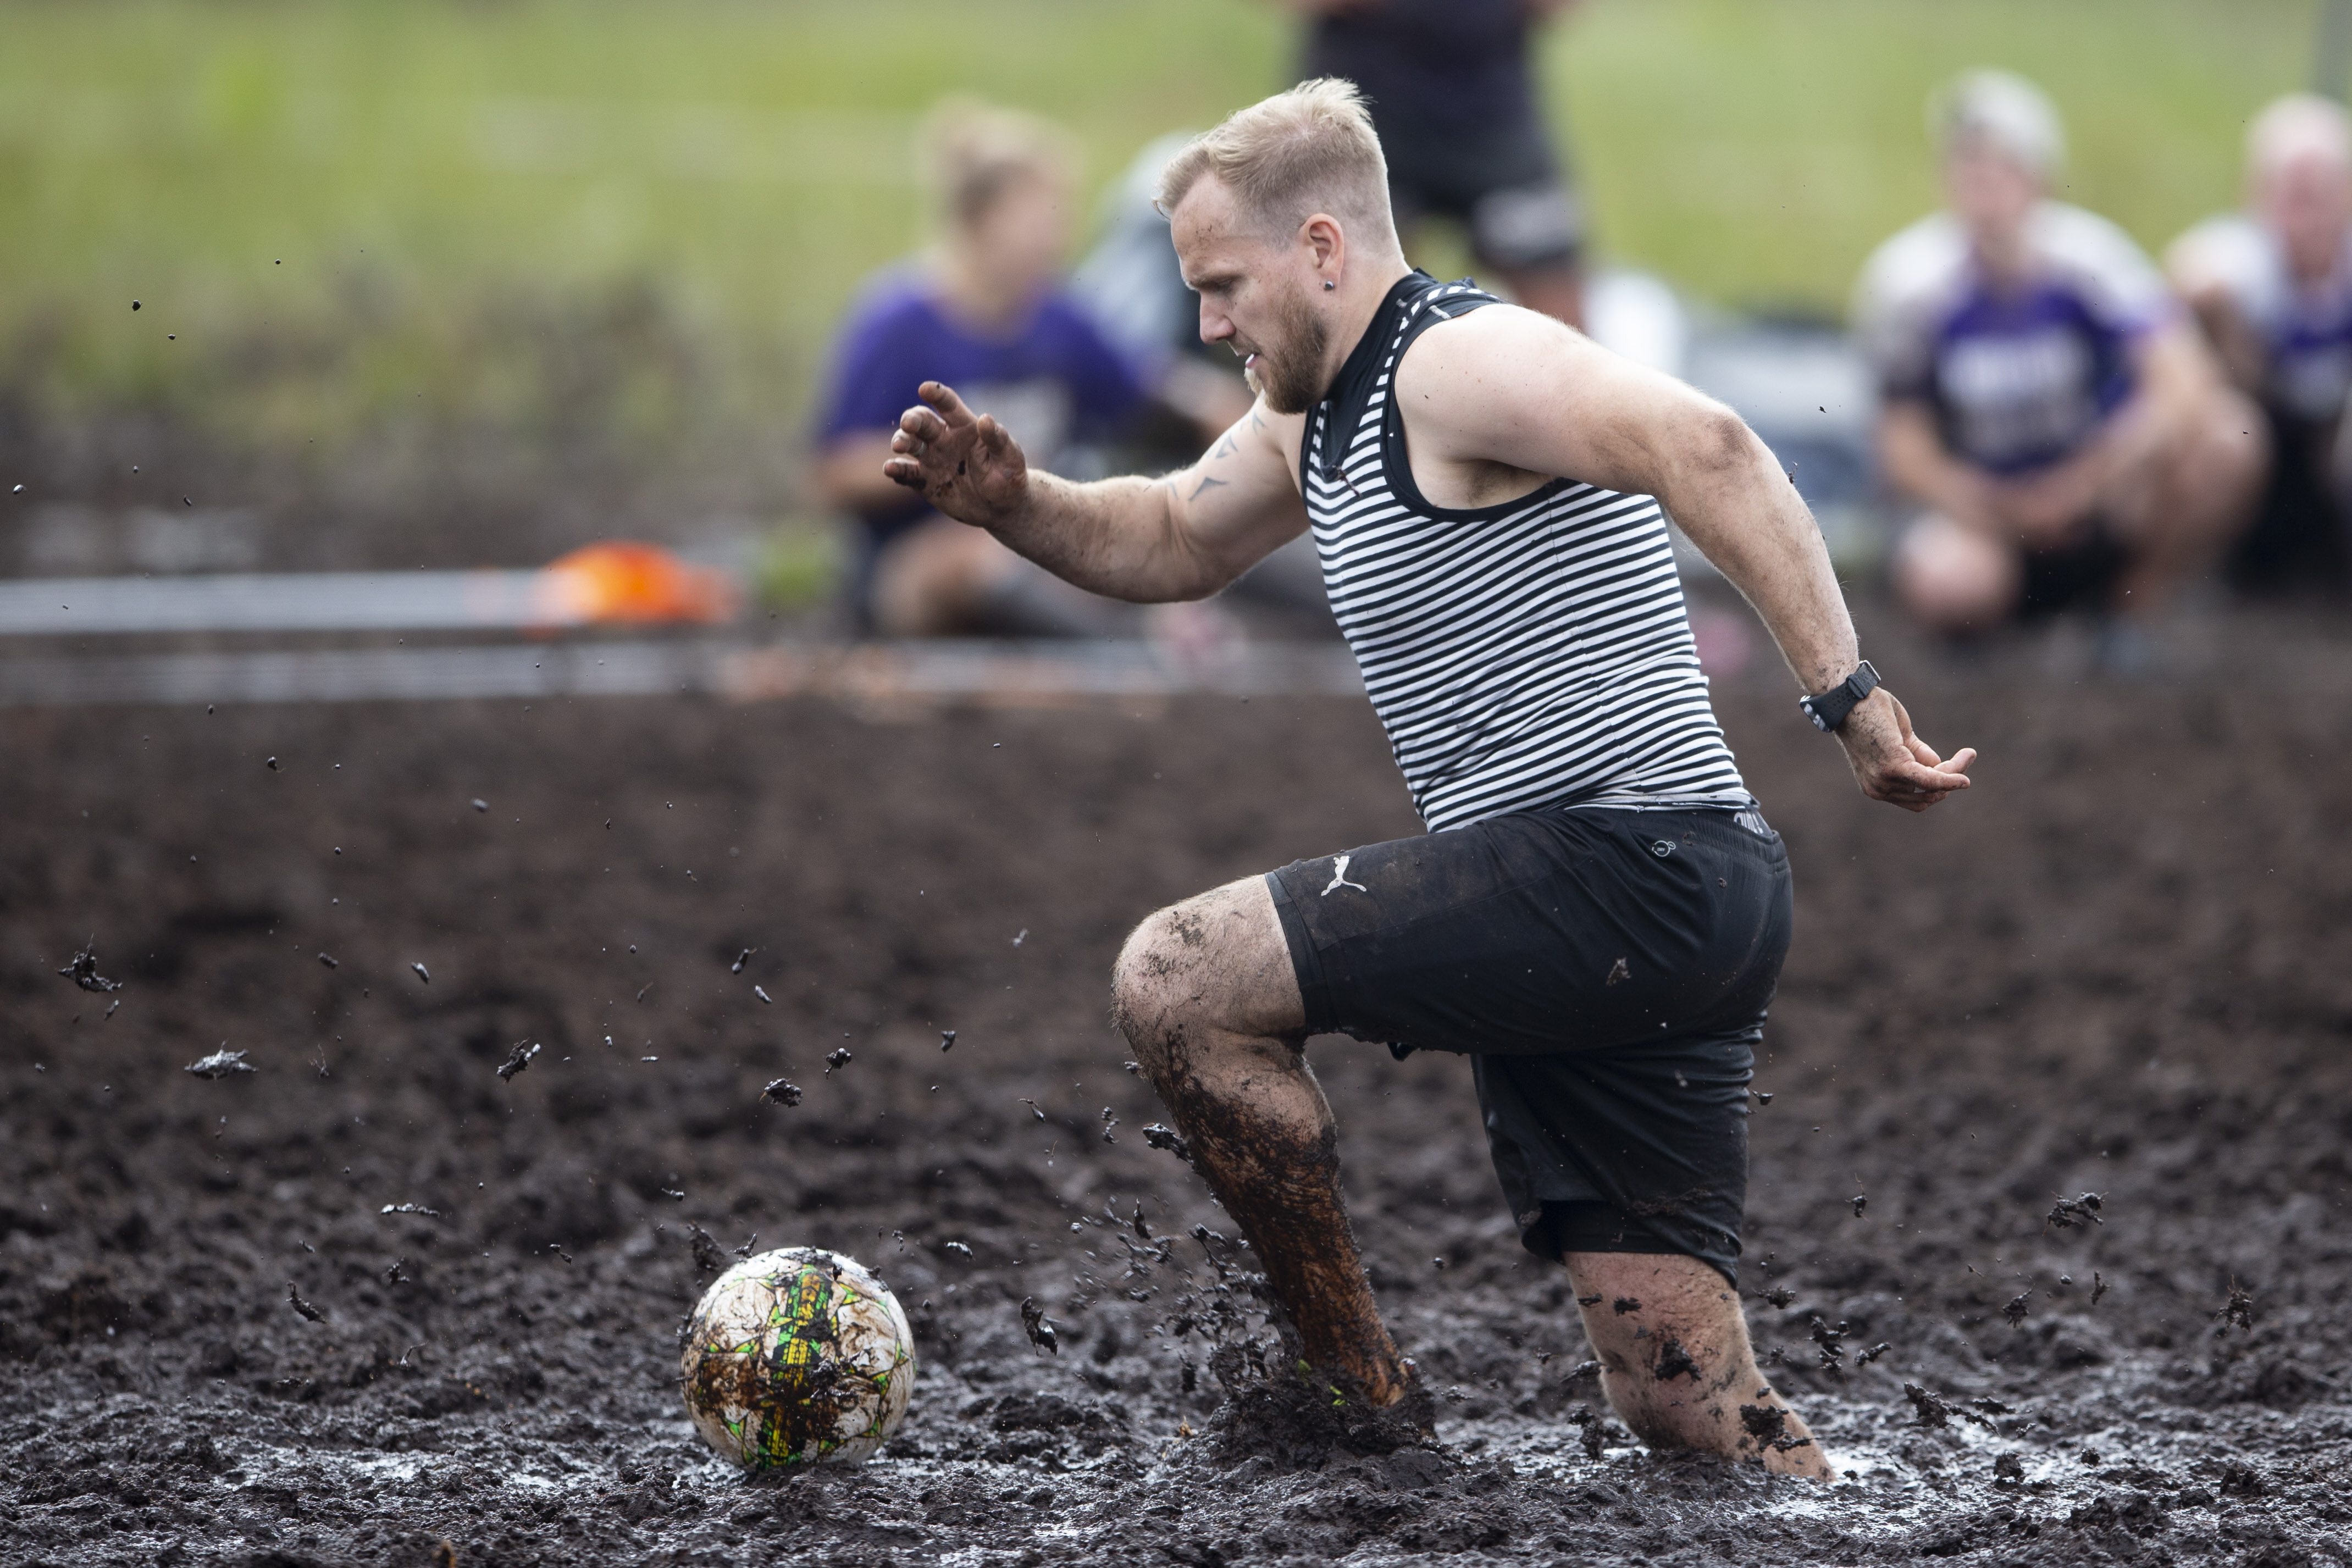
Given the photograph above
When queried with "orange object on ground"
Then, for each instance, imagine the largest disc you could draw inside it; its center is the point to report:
(619, 580)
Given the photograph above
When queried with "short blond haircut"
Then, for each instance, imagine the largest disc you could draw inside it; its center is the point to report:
(972, 153)
(2002, 113)
(1310, 149)
(2299, 125)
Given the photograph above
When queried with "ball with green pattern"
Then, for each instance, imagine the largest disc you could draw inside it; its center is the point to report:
(796, 1356)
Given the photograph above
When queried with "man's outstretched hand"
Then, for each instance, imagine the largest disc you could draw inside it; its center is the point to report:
(1893, 765)
(966, 464)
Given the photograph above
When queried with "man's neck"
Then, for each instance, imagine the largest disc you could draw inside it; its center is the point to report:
(2005, 262)
(1355, 306)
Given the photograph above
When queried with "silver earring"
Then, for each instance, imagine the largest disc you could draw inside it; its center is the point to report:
(1329, 286)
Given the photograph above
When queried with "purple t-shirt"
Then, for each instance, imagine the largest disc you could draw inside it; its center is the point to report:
(1054, 381)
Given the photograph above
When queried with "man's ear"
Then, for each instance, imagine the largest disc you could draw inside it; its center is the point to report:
(1327, 243)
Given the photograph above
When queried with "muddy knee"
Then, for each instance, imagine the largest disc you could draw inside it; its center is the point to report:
(1207, 980)
(1219, 960)
(1154, 996)
(1145, 982)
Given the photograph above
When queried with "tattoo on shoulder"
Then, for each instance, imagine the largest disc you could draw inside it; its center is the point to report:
(1228, 447)
(1203, 487)
(1258, 420)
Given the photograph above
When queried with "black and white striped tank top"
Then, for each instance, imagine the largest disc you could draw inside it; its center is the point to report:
(1521, 655)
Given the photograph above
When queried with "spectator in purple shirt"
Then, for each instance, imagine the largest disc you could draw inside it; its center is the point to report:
(2043, 394)
(2273, 288)
(985, 311)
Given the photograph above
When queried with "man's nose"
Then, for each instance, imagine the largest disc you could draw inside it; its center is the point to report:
(1215, 327)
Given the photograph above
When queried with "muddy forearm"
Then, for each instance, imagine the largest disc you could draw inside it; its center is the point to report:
(1117, 538)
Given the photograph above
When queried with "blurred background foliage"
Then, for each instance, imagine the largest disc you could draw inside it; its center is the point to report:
(620, 234)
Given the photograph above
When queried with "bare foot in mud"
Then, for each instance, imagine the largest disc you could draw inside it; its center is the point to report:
(1678, 1368)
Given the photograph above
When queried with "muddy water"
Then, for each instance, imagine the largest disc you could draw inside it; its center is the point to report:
(2118, 968)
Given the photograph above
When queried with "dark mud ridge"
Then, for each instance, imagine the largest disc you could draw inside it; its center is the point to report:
(2118, 969)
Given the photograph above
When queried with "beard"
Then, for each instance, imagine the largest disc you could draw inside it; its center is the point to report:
(1288, 375)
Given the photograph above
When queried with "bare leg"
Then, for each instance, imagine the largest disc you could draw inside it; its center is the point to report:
(944, 580)
(1206, 994)
(1556, 291)
(2187, 496)
(1675, 1362)
(1953, 578)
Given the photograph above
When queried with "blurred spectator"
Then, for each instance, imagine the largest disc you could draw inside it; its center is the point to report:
(2273, 287)
(2042, 393)
(1453, 99)
(1131, 285)
(983, 311)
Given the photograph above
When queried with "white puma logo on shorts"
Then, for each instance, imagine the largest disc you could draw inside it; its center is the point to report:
(1339, 878)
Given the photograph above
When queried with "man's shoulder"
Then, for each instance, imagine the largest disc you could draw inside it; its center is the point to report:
(1450, 355)
(1474, 331)
(1505, 384)
(2095, 258)
(2229, 252)
(895, 304)
(1913, 272)
(2068, 237)
(1061, 321)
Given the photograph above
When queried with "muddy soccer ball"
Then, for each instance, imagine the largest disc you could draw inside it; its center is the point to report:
(795, 1356)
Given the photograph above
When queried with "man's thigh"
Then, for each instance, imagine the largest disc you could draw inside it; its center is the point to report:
(1953, 576)
(1608, 972)
(2184, 477)
(1218, 958)
(1533, 934)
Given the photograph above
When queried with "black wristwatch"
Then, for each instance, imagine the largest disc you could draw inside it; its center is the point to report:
(1829, 710)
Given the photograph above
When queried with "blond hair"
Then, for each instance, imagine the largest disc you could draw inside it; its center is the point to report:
(973, 152)
(2002, 113)
(1310, 149)
(2296, 126)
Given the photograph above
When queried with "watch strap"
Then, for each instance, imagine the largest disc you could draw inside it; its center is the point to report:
(1829, 710)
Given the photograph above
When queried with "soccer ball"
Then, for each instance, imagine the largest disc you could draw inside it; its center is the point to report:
(795, 1356)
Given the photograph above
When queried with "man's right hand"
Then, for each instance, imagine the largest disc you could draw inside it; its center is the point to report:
(964, 463)
(1893, 764)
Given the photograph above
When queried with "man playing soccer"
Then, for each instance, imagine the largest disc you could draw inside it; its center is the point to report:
(1599, 912)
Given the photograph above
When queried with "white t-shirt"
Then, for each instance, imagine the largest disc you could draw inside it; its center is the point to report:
(2305, 329)
(2020, 376)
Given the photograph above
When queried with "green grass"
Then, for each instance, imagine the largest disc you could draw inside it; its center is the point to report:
(354, 208)
(1757, 152)
(349, 210)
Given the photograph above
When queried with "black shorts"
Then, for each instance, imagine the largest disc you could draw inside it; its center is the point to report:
(2299, 541)
(1499, 181)
(1607, 972)
(2081, 572)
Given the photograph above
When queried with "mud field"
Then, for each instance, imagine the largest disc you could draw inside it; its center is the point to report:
(2118, 967)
